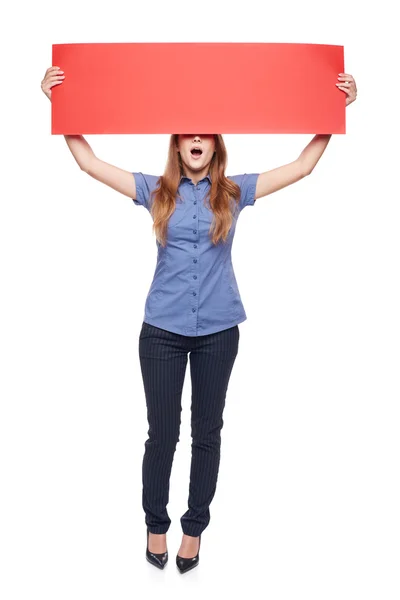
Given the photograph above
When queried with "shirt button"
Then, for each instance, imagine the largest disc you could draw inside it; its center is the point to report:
(195, 202)
(194, 216)
(194, 230)
(194, 276)
(198, 187)
(194, 293)
(193, 310)
(194, 245)
(195, 260)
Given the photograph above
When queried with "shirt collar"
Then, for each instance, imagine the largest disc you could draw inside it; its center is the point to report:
(208, 176)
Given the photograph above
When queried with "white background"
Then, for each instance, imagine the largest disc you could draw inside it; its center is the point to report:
(308, 490)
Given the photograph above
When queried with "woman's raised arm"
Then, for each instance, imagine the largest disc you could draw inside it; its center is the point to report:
(276, 179)
(120, 180)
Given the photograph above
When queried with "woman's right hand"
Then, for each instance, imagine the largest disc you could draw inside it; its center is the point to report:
(53, 76)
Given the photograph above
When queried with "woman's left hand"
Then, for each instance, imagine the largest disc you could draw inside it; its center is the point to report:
(347, 84)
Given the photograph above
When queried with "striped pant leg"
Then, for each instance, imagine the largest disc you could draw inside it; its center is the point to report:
(211, 362)
(163, 359)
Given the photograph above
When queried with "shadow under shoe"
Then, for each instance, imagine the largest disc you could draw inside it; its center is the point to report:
(186, 564)
(158, 560)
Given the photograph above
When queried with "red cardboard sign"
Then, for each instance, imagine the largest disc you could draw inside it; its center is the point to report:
(169, 88)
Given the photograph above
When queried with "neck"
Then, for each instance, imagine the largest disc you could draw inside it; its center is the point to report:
(196, 176)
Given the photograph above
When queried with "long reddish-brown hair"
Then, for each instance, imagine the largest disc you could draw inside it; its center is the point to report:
(221, 192)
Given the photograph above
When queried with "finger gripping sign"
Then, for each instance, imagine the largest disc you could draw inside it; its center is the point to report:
(165, 88)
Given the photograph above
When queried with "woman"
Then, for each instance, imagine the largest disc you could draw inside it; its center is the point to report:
(193, 306)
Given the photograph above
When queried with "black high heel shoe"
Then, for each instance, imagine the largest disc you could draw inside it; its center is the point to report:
(158, 560)
(185, 564)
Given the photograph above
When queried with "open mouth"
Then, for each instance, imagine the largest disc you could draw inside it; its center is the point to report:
(196, 152)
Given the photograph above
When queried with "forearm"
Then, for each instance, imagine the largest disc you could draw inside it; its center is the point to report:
(80, 149)
(313, 151)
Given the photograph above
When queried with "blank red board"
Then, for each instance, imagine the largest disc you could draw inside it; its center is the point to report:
(165, 88)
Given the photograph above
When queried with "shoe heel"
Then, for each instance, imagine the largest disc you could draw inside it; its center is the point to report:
(158, 560)
(186, 564)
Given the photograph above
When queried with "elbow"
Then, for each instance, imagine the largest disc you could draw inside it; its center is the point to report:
(304, 169)
(88, 165)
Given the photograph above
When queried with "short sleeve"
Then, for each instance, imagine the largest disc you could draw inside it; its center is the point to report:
(145, 184)
(247, 183)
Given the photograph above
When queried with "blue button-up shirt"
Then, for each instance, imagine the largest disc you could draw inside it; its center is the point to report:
(194, 290)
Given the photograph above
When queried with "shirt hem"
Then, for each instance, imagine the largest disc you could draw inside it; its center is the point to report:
(174, 329)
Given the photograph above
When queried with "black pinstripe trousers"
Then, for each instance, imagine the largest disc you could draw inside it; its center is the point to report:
(163, 359)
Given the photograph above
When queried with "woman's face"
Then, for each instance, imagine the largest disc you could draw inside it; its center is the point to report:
(195, 160)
